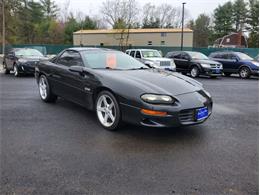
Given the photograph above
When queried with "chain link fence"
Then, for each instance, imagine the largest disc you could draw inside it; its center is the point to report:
(48, 49)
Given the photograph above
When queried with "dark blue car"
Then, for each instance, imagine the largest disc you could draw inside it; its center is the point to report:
(236, 62)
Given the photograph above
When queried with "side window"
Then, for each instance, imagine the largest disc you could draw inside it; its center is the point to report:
(185, 56)
(138, 54)
(216, 56)
(132, 53)
(11, 54)
(70, 58)
(169, 55)
(232, 57)
(177, 56)
(224, 56)
(127, 52)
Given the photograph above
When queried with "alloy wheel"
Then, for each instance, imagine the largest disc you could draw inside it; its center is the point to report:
(15, 71)
(106, 110)
(244, 72)
(43, 88)
(194, 72)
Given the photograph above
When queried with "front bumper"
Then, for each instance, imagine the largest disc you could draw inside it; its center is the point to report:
(255, 72)
(27, 68)
(213, 71)
(170, 69)
(181, 114)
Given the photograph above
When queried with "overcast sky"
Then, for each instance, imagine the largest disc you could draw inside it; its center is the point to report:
(195, 7)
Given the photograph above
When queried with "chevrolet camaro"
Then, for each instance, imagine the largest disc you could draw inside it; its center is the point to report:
(121, 89)
(22, 61)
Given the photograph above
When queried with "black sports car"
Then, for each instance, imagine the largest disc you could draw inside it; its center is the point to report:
(120, 88)
(22, 61)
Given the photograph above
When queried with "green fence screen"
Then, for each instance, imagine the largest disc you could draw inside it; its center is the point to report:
(54, 49)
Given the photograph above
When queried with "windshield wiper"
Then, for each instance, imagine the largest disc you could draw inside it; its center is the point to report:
(140, 68)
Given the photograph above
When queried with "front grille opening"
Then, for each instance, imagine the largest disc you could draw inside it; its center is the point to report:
(165, 63)
(187, 116)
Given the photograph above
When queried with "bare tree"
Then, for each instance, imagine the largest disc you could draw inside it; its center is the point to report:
(121, 15)
(167, 15)
(64, 11)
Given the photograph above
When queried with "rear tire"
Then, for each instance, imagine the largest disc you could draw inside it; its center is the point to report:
(244, 72)
(108, 111)
(6, 71)
(45, 90)
(194, 72)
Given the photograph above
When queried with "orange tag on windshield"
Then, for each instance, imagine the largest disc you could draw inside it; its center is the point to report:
(111, 60)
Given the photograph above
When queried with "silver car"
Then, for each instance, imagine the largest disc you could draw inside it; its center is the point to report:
(152, 58)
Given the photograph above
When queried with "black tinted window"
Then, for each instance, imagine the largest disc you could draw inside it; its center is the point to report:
(216, 56)
(232, 57)
(138, 54)
(225, 56)
(185, 56)
(70, 58)
(169, 55)
(177, 56)
(132, 53)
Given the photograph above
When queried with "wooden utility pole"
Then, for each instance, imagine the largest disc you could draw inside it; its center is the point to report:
(182, 25)
(3, 37)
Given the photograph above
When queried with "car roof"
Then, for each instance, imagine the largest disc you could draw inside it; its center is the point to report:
(20, 48)
(225, 52)
(89, 49)
(142, 49)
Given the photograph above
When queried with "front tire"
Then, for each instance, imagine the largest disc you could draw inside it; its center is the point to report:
(108, 111)
(45, 90)
(194, 72)
(16, 71)
(244, 72)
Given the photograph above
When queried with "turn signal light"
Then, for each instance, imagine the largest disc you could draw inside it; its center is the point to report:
(153, 112)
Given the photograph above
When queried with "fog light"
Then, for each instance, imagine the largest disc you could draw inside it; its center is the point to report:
(153, 112)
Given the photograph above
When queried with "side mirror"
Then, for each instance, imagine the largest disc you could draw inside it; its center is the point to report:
(77, 69)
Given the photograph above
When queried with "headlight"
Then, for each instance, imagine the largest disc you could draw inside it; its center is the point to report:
(157, 99)
(22, 60)
(205, 65)
(207, 93)
(255, 63)
(173, 64)
(153, 64)
(220, 66)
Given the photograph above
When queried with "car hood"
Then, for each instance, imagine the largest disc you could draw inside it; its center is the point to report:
(33, 58)
(151, 81)
(157, 59)
(205, 61)
(256, 63)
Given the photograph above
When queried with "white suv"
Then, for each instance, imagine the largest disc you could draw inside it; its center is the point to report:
(152, 58)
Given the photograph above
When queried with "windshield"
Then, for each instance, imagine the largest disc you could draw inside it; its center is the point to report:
(198, 56)
(110, 60)
(243, 56)
(151, 54)
(28, 52)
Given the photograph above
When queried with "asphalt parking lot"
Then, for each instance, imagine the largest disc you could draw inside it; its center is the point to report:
(61, 149)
